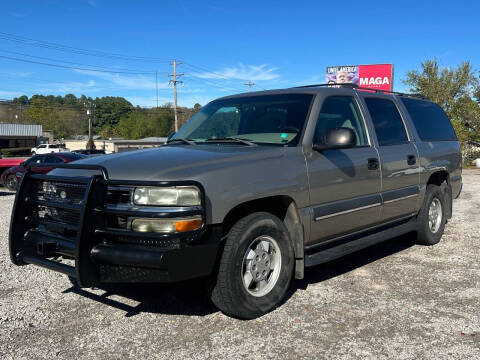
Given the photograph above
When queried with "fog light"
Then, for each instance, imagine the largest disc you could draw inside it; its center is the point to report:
(167, 225)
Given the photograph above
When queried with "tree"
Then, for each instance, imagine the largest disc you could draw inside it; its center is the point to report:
(109, 110)
(456, 90)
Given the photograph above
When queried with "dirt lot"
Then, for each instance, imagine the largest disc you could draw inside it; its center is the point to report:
(396, 300)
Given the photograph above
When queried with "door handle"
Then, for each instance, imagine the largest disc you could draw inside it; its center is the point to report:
(411, 159)
(372, 164)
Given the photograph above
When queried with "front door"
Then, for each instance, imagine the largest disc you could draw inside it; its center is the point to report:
(344, 184)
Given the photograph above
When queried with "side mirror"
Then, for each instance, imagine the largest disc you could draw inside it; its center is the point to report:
(337, 138)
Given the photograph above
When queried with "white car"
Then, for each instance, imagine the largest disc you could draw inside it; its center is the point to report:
(46, 149)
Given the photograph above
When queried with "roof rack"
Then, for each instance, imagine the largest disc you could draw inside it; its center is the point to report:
(356, 87)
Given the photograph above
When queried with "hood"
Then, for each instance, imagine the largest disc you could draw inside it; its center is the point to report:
(15, 169)
(177, 162)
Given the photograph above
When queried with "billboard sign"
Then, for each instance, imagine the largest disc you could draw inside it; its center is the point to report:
(379, 76)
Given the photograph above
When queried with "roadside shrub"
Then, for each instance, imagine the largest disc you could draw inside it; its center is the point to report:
(23, 151)
(469, 154)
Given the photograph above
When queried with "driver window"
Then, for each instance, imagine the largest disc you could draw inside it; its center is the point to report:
(340, 111)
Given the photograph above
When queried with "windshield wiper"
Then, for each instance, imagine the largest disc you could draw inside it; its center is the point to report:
(233, 138)
(185, 141)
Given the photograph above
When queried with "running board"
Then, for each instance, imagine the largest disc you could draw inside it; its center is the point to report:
(337, 251)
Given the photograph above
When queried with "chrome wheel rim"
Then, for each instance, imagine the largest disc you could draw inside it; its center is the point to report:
(261, 266)
(11, 182)
(435, 215)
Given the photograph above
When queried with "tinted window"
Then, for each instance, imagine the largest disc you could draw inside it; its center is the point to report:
(429, 119)
(53, 159)
(387, 121)
(74, 156)
(340, 111)
(40, 159)
(53, 146)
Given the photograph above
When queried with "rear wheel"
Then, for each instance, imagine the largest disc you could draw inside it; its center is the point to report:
(11, 182)
(256, 267)
(432, 216)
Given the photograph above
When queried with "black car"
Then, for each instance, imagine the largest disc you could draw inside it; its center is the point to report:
(90, 152)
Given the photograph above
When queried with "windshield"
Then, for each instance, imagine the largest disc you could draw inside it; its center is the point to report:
(268, 119)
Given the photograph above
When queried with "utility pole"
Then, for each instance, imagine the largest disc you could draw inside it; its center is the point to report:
(156, 84)
(249, 84)
(174, 81)
(90, 142)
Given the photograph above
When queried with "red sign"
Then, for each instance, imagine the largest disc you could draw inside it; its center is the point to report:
(370, 76)
(376, 76)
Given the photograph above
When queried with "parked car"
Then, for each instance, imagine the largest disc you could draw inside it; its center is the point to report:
(7, 163)
(47, 149)
(11, 176)
(250, 191)
(90, 151)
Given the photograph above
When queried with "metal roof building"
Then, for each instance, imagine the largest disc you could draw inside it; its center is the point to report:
(19, 135)
(9, 130)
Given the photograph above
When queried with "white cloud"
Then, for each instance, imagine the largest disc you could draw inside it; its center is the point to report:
(17, 14)
(16, 74)
(243, 72)
(10, 94)
(73, 87)
(134, 82)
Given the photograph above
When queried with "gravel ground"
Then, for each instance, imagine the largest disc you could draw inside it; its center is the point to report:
(395, 300)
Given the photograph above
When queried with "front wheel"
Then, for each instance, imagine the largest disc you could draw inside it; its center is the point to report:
(432, 216)
(11, 182)
(33, 153)
(256, 267)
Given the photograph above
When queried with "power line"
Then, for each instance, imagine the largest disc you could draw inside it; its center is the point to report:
(70, 62)
(74, 67)
(216, 74)
(76, 50)
(249, 84)
(210, 83)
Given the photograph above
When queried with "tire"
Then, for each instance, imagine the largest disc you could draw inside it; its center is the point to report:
(11, 182)
(33, 153)
(230, 294)
(427, 234)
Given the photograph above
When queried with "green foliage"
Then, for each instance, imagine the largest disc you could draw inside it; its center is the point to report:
(22, 151)
(112, 116)
(470, 154)
(456, 90)
(141, 123)
(109, 110)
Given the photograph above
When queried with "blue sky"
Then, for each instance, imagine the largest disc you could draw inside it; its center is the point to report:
(222, 44)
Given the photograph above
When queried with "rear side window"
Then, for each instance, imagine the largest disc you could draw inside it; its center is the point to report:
(387, 121)
(430, 120)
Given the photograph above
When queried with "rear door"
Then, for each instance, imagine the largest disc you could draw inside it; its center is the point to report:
(344, 183)
(398, 156)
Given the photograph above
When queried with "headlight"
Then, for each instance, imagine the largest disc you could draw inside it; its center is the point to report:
(162, 196)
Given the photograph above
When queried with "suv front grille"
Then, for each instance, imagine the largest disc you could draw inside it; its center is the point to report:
(58, 192)
(56, 206)
(118, 195)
